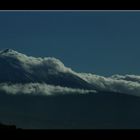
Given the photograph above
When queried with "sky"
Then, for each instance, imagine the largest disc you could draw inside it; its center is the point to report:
(100, 42)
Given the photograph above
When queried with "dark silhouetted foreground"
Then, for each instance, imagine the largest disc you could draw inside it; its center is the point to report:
(7, 127)
(90, 111)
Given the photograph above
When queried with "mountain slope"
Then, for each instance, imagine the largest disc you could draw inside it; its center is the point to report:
(23, 79)
(90, 111)
(19, 68)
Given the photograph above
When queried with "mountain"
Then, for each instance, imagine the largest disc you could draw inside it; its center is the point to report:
(19, 68)
(44, 93)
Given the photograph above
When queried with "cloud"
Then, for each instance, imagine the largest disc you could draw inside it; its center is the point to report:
(30, 63)
(100, 82)
(40, 89)
(128, 84)
(133, 78)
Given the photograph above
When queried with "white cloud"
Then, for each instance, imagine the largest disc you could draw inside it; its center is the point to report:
(29, 62)
(115, 83)
(40, 89)
(133, 78)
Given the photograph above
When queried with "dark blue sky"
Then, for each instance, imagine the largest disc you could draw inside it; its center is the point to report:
(101, 42)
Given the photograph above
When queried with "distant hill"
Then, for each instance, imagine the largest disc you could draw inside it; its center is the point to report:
(89, 111)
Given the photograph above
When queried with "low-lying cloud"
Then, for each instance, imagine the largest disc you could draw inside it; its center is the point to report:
(40, 89)
(128, 84)
(133, 78)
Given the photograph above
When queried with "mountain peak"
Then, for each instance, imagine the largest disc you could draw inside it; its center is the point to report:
(10, 52)
(7, 51)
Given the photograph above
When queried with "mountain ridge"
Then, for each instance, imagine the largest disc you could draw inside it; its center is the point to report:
(13, 70)
(25, 78)
(18, 68)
